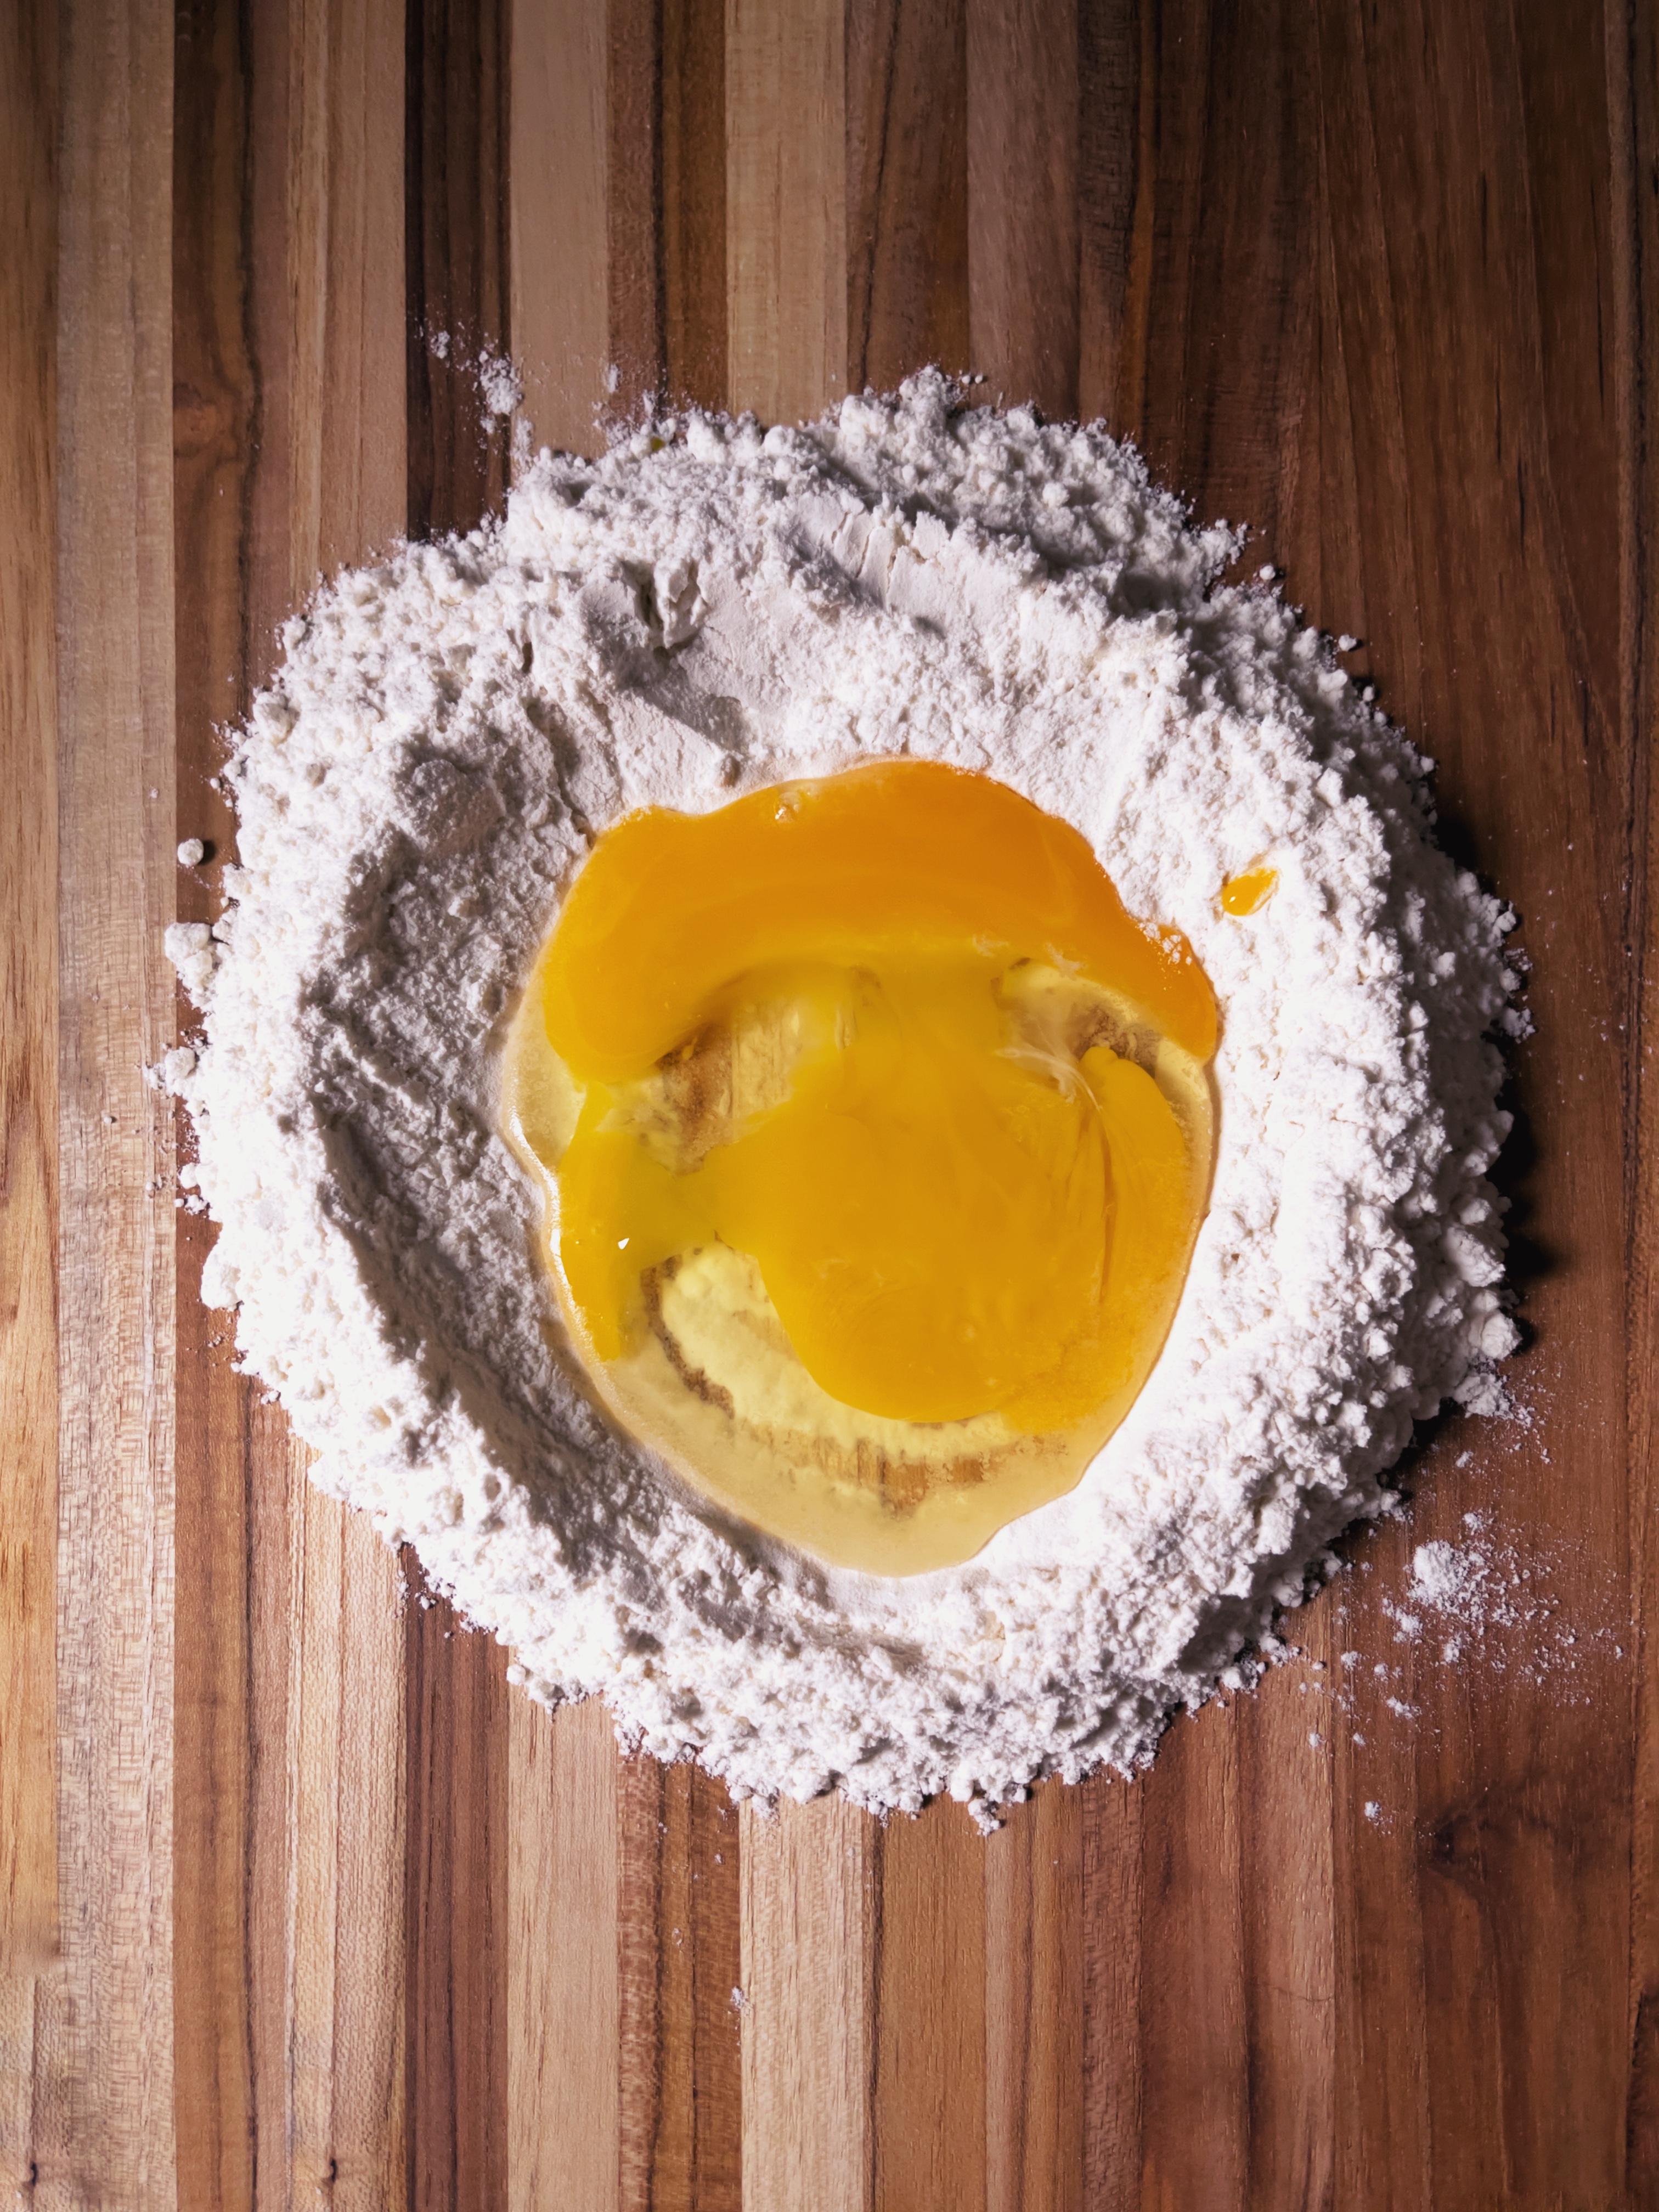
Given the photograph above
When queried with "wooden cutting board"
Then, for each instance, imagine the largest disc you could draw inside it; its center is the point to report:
(304, 1904)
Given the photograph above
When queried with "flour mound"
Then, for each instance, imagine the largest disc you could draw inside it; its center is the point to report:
(710, 608)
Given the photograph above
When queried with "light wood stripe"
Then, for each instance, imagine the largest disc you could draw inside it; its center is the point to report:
(348, 477)
(19, 1999)
(563, 1963)
(346, 1860)
(557, 194)
(348, 454)
(786, 205)
(930, 1999)
(29, 1012)
(1290, 1789)
(563, 2119)
(104, 2088)
(809, 2056)
(809, 1895)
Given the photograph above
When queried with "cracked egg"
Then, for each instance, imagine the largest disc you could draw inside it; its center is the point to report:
(875, 1134)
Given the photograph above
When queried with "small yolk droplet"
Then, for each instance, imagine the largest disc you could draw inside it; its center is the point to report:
(1243, 894)
(876, 1134)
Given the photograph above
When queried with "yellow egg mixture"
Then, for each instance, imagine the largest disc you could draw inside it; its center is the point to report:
(875, 1135)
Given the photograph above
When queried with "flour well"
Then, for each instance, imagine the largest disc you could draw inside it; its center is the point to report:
(676, 624)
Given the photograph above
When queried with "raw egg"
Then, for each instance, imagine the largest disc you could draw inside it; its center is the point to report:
(875, 1134)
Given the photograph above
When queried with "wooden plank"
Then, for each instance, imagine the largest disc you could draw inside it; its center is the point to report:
(456, 282)
(1111, 1959)
(809, 1921)
(1193, 2103)
(930, 1998)
(19, 2003)
(456, 1971)
(636, 303)
(558, 147)
(786, 205)
(906, 189)
(346, 456)
(563, 2123)
(348, 465)
(1490, 593)
(346, 1809)
(1632, 55)
(808, 1872)
(1365, 398)
(1295, 1766)
(455, 163)
(1023, 123)
(693, 248)
(1195, 295)
(564, 1965)
(681, 2090)
(214, 411)
(28, 1009)
(104, 2110)
(1034, 2057)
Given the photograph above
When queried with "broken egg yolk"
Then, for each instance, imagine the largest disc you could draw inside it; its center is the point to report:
(876, 1134)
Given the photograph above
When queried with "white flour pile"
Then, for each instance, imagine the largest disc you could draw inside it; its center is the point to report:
(678, 626)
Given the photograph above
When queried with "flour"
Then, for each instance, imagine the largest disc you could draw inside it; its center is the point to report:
(678, 623)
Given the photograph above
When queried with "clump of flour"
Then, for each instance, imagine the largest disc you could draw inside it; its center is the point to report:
(713, 607)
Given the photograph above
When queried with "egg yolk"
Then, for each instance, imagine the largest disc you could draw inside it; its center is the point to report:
(876, 1135)
(1243, 894)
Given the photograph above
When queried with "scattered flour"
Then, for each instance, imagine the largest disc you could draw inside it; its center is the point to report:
(500, 387)
(713, 607)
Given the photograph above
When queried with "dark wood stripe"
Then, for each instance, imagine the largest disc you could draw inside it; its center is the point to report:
(215, 424)
(457, 1719)
(906, 189)
(1023, 200)
(1111, 1961)
(1632, 40)
(455, 187)
(455, 156)
(666, 202)
(636, 308)
(680, 1967)
(1117, 167)
(692, 47)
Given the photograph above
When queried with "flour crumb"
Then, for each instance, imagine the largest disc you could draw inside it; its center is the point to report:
(191, 853)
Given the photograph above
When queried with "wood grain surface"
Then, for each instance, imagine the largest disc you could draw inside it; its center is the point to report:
(302, 1903)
